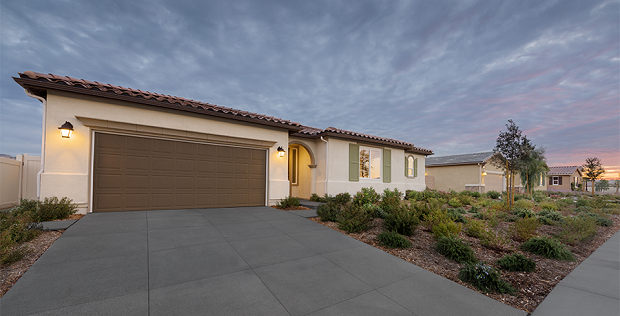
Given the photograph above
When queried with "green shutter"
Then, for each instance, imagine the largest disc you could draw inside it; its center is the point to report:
(415, 167)
(387, 166)
(354, 162)
(406, 166)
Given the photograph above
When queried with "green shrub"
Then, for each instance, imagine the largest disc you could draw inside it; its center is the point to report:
(474, 209)
(583, 209)
(524, 228)
(390, 200)
(315, 198)
(402, 220)
(329, 212)
(365, 196)
(582, 202)
(549, 217)
(524, 213)
(494, 240)
(456, 215)
(524, 204)
(494, 195)
(474, 194)
(446, 229)
(549, 206)
(342, 198)
(485, 278)
(465, 199)
(47, 210)
(600, 219)
(455, 249)
(516, 262)
(483, 202)
(392, 239)
(374, 210)
(548, 248)
(353, 219)
(577, 229)
(455, 202)
(435, 217)
(10, 256)
(475, 228)
(288, 202)
(490, 216)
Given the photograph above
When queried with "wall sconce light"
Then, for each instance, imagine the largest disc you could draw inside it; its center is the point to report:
(66, 129)
(280, 151)
(484, 173)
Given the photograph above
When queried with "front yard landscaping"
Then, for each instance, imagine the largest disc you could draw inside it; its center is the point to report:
(514, 255)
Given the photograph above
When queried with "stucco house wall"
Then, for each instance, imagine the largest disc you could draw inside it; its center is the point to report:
(68, 160)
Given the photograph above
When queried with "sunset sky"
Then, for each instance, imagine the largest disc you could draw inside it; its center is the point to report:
(444, 75)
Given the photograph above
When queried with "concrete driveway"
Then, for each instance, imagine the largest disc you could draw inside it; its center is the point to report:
(234, 261)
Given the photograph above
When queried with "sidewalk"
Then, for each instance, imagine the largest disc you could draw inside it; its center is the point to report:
(593, 288)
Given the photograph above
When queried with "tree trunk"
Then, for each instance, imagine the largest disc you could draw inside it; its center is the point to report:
(512, 188)
(593, 182)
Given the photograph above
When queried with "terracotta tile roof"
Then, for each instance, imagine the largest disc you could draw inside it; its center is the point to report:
(464, 159)
(563, 170)
(108, 90)
(313, 132)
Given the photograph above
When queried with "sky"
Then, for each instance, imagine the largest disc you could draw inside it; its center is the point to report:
(444, 75)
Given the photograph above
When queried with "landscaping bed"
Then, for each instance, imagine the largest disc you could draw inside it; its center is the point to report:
(530, 287)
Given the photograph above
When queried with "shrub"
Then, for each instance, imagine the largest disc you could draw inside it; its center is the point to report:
(583, 209)
(392, 239)
(288, 202)
(374, 210)
(549, 206)
(342, 198)
(353, 219)
(490, 216)
(315, 198)
(483, 202)
(365, 196)
(485, 278)
(548, 248)
(402, 220)
(494, 240)
(516, 262)
(600, 219)
(455, 202)
(475, 228)
(47, 210)
(548, 217)
(455, 249)
(524, 228)
(577, 229)
(413, 195)
(474, 209)
(435, 217)
(446, 229)
(390, 200)
(524, 213)
(494, 194)
(329, 212)
(524, 204)
(465, 199)
(10, 256)
(456, 215)
(582, 202)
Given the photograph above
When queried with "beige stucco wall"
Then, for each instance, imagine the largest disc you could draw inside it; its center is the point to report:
(303, 189)
(68, 161)
(459, 177)
(338, 171)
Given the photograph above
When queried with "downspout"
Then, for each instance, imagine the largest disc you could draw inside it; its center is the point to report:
(326, 161)
(42, 141)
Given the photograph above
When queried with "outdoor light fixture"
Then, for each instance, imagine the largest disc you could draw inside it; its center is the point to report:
(66, 129)
(280, 151)
(484, 173)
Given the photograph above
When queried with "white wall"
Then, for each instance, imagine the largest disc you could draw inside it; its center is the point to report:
(18, 179)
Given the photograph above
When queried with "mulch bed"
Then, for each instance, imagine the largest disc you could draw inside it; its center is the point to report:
(10, 274)
(532, 287)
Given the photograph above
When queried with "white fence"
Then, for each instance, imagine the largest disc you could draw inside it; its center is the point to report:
(18, 179)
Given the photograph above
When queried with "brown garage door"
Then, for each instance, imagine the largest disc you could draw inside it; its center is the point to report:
(138, 173)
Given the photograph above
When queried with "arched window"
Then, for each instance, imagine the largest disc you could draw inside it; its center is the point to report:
(411, 167)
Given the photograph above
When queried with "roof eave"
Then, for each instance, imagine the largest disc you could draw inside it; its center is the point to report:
(27, 83)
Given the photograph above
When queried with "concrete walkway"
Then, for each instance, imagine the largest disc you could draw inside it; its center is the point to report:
(593, 288)
(236, 261)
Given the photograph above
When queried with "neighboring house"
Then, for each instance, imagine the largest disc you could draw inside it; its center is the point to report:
(560, 178)
(472, 172)
(136, 150)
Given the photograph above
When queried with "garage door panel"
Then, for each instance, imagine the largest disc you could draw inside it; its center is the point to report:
(136, 181)
(138, 173)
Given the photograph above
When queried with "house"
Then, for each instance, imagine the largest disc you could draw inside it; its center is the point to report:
(472, 172)
(560, 178)
(125, 149)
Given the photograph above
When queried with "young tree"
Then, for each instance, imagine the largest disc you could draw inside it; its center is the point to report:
(513, 148)
(533, 168)
(593, 170)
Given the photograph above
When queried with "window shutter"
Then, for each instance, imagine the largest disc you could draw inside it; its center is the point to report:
(354, 162)
(415, 167)
(406, 166)
(550, 180)
(560, 180)
(387, 165)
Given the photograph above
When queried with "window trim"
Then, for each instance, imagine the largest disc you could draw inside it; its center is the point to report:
(294, 152)
(413, 167)
(370, 149)
(555, 180)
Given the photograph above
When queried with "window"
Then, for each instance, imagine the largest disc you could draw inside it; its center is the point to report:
(294, 166)
(411, 167)
(556, 180)
(370, 163)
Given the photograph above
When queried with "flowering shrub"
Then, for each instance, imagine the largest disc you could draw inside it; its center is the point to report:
(485, 278)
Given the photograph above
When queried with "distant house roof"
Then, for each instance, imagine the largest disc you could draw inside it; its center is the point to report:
(563, 170)
(39, 83)
(464, 159)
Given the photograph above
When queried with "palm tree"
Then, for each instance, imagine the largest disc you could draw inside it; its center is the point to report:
(533, 167)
